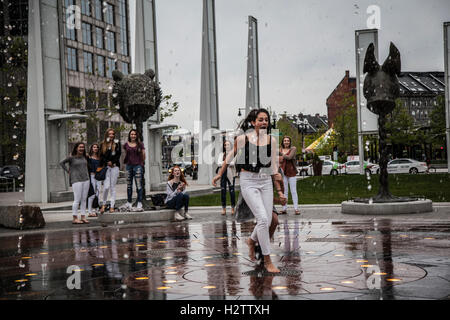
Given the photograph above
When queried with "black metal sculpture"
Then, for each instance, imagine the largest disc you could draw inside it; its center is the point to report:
(138, 97)
(381, 88)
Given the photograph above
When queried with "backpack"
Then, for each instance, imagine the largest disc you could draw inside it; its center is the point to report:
(158, 199)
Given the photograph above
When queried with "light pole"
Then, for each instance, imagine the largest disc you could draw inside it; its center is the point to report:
(274, 117)
(239, 112)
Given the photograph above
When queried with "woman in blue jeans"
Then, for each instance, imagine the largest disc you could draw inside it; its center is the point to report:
(134, 160)
(177, 198)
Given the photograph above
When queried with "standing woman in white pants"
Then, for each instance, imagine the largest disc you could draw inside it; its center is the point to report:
(94, 163)
(78, 179)
(288, 165)
(110, 156)
(257, 162)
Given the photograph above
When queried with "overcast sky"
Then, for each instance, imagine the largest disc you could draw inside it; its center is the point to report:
(305, 46)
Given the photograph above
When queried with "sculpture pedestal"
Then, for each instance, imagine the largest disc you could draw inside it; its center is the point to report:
(387, 208)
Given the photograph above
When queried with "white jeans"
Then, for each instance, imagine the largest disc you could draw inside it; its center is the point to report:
(290, 183)
(257, 191)
(80, 193)
(96, 184)
(112, 174)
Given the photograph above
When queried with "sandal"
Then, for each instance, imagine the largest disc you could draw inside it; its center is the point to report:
(224, 212)
(85, 221)
(297, 212)
(102, 210)
(92, 215)
(232, 211)
(77, 222)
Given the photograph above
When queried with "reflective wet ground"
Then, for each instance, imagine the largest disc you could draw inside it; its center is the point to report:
(372, 259)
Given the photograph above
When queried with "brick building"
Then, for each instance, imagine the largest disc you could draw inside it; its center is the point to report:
(346, 87)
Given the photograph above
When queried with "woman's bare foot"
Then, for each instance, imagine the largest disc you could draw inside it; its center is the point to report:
(251, 249)
(270, 267)
(232, 211)
(224, 211)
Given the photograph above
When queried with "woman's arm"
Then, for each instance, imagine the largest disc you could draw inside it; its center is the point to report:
(230, 156)
(63, 164)
(291, 154)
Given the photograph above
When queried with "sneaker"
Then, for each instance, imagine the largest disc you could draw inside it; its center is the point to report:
(187, 216)
(128, 205)
(178, 216)
(139, 205)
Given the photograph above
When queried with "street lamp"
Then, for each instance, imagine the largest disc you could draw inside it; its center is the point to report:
(274, 117)
(239, 112)
(302, 126)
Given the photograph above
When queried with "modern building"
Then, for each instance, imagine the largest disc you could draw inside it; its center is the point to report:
(100, 45)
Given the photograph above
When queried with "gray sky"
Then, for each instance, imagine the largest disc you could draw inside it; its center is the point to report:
(304, 49)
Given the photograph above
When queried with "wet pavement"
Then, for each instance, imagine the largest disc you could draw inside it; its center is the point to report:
(365, 259)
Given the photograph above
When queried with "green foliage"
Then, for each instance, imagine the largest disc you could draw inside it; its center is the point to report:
(437, 125)
(346, 127)
(167, 107)
(400, 126)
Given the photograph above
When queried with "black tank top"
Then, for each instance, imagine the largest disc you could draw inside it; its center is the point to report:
(250, 158)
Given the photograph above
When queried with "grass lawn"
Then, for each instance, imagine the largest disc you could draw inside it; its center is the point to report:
(335, 189)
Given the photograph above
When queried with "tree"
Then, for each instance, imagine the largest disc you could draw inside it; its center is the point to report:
(437, 122)
(346, 126)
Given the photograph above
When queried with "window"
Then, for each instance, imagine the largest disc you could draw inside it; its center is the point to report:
(99, 37)
(72, 59)
(87, 33)
(110, 41)
(110, 67)
(74, 98)
(86, 7)
(101, 66)
(123, 27)
(98, 9)
(88, 63)
(71, 32)
(109, 13)
(91, 99)
(125, 68)
(394, 162)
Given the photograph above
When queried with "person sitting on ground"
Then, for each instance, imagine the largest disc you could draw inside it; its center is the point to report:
(177, 198)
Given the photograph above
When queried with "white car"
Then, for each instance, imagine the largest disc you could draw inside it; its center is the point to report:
(328, 168)
(406, 166)
(352, 167)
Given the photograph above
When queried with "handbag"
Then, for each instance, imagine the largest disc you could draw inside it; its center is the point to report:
(95, 203)
(100, 175)
(158, 199)
(243, 212)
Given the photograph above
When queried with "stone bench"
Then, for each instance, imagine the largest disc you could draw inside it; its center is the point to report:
(137, 217)
(21, 217)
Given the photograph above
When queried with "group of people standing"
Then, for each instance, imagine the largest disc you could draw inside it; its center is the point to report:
(262, 166)
(84, 172)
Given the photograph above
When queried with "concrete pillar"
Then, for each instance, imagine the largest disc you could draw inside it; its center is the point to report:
(46, 142)
(209, 103)
(252, 91)
(146, 57)
(447, 87)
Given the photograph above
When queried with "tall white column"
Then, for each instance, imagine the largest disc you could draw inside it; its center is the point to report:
(36, 155)
(146, 57)
(209, 103)
(252, 91)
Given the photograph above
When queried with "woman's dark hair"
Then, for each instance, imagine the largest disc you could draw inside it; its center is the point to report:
(91, 149)
(138, 138)
(290, 141)
(224, 150)
(75, 149)
(246, 124)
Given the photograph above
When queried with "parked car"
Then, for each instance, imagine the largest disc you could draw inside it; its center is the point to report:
(304, 169)
(332, 168)
(328, 168)
(352, 167)
(405, 165)
(10, 171)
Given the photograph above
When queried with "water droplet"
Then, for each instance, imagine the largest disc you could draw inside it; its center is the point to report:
(369, 187)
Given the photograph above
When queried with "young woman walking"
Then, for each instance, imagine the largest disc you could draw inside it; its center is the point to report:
(227, 179)
(257, 162)
(177, 198)
(110, 152)
(94, 163)
(79, 180)
(134, 160)
(288, 165)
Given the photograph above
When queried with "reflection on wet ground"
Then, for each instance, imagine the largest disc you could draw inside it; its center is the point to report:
(374, 259)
